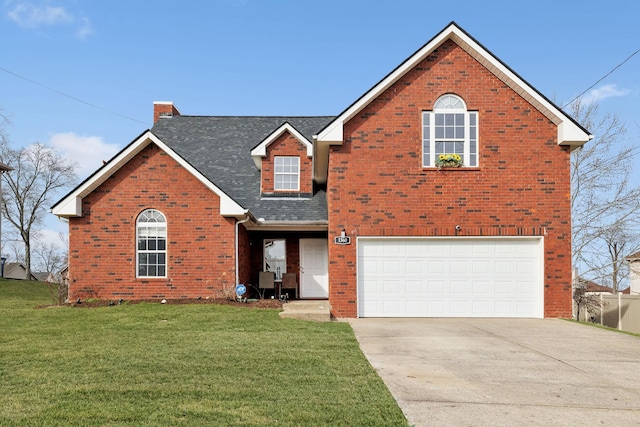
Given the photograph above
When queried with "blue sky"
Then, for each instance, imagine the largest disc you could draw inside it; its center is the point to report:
(82, 75)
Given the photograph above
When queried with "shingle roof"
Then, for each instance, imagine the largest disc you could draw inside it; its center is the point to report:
(220, 149)
(634, 256)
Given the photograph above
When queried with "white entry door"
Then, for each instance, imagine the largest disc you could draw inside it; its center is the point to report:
(314, 268)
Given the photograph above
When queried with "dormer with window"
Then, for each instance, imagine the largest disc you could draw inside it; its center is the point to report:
(284, 159)
(450, 131)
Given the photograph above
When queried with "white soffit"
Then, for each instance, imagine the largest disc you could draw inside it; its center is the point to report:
(261, 149)
(71, 205)
(569, 132)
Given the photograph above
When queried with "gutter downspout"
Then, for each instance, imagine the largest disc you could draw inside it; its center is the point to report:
(248, 218)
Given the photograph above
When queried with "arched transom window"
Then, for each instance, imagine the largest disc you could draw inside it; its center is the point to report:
(151, 236)
(451, 132)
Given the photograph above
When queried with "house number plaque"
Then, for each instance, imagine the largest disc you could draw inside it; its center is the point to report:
(342, 240)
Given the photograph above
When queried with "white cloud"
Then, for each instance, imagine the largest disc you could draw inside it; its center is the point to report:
(85, 29)
(604, 92)
(87, 151)
(53, 235)
(31, 16)
(28, 15)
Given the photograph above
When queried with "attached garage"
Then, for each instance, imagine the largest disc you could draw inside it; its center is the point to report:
(450, 277)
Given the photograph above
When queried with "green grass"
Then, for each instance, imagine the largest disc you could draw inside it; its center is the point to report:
(599, 326)
(160, 365)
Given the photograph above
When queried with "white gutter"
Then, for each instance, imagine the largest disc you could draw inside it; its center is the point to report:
(248, 218)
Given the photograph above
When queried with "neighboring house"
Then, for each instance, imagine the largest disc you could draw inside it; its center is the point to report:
(357, 205)
(595, 288)
(60, 277)
(16, 270)
(634, 273)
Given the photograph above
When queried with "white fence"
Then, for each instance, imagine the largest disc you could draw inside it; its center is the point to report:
(617, 311)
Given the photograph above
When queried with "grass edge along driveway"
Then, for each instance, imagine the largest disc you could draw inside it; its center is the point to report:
(151, 364)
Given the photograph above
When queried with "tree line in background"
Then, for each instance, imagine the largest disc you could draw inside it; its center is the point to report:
(604, 205)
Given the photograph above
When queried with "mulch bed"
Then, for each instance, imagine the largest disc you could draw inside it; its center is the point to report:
(261, 303)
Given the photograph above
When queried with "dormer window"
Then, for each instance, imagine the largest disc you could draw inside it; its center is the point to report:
(450, 129)
(286, 173)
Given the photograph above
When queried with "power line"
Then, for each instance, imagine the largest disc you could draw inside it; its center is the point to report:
(72, 97)
(602, 78)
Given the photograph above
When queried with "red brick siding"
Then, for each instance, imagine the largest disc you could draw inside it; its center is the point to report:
(286, 145)
(377, 185)
(201, 245)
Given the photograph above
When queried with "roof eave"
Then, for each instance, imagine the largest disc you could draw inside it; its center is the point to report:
(569, 131)
(260, 150)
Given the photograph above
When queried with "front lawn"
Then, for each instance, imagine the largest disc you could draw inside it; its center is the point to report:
(152, 364)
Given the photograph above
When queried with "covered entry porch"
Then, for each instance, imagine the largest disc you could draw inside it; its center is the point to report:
(287, 264)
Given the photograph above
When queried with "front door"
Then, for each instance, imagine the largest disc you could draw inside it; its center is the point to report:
(314, 268)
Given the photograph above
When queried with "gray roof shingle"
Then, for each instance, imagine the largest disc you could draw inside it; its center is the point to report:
(220, 148)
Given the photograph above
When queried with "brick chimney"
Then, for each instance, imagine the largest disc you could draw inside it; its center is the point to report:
(162, 109)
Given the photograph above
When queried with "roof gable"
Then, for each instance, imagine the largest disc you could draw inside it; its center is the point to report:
(260, 150)
(71, 204)
(569, 131)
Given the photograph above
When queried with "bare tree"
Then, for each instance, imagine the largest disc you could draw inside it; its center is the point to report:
(604, 203)
(584, 300)
(38, 174)
(49, 258)
(620, 240)
(13, 249)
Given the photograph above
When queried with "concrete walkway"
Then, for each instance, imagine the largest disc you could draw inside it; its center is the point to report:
(505, 372)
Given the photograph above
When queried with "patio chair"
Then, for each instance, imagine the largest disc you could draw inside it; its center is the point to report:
(266, 280)
(290, 281)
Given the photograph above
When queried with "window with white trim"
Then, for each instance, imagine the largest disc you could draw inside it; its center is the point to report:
(286, 173)
(275, 257)
(151, 250)
(450, 130)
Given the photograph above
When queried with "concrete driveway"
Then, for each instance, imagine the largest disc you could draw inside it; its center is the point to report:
(505, 372)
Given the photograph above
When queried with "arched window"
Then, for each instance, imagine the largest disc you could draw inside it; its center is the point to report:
(450, 130)
(151, 235)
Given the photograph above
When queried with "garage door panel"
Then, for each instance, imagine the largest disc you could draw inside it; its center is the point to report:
(525, 267)
(413, 266)
(391, 287)
(435, 287)
(503, 267)
(481, 308)
(458, 307)
(414, 308)
(413, 287)
(437, 307)
(416, 277)
(436, 267)
(502, 288)
(525, 287)
(459, 287)
(481, 267)
(392, 266)
(479, 287)
(503, 308)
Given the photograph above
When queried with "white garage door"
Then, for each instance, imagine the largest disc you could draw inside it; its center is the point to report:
(454, 277)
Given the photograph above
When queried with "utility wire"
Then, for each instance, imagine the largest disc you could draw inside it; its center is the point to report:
(72, 97)
(603, 77)
(146, 123)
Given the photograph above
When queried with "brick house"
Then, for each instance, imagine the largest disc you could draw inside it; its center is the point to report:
(442, 191)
